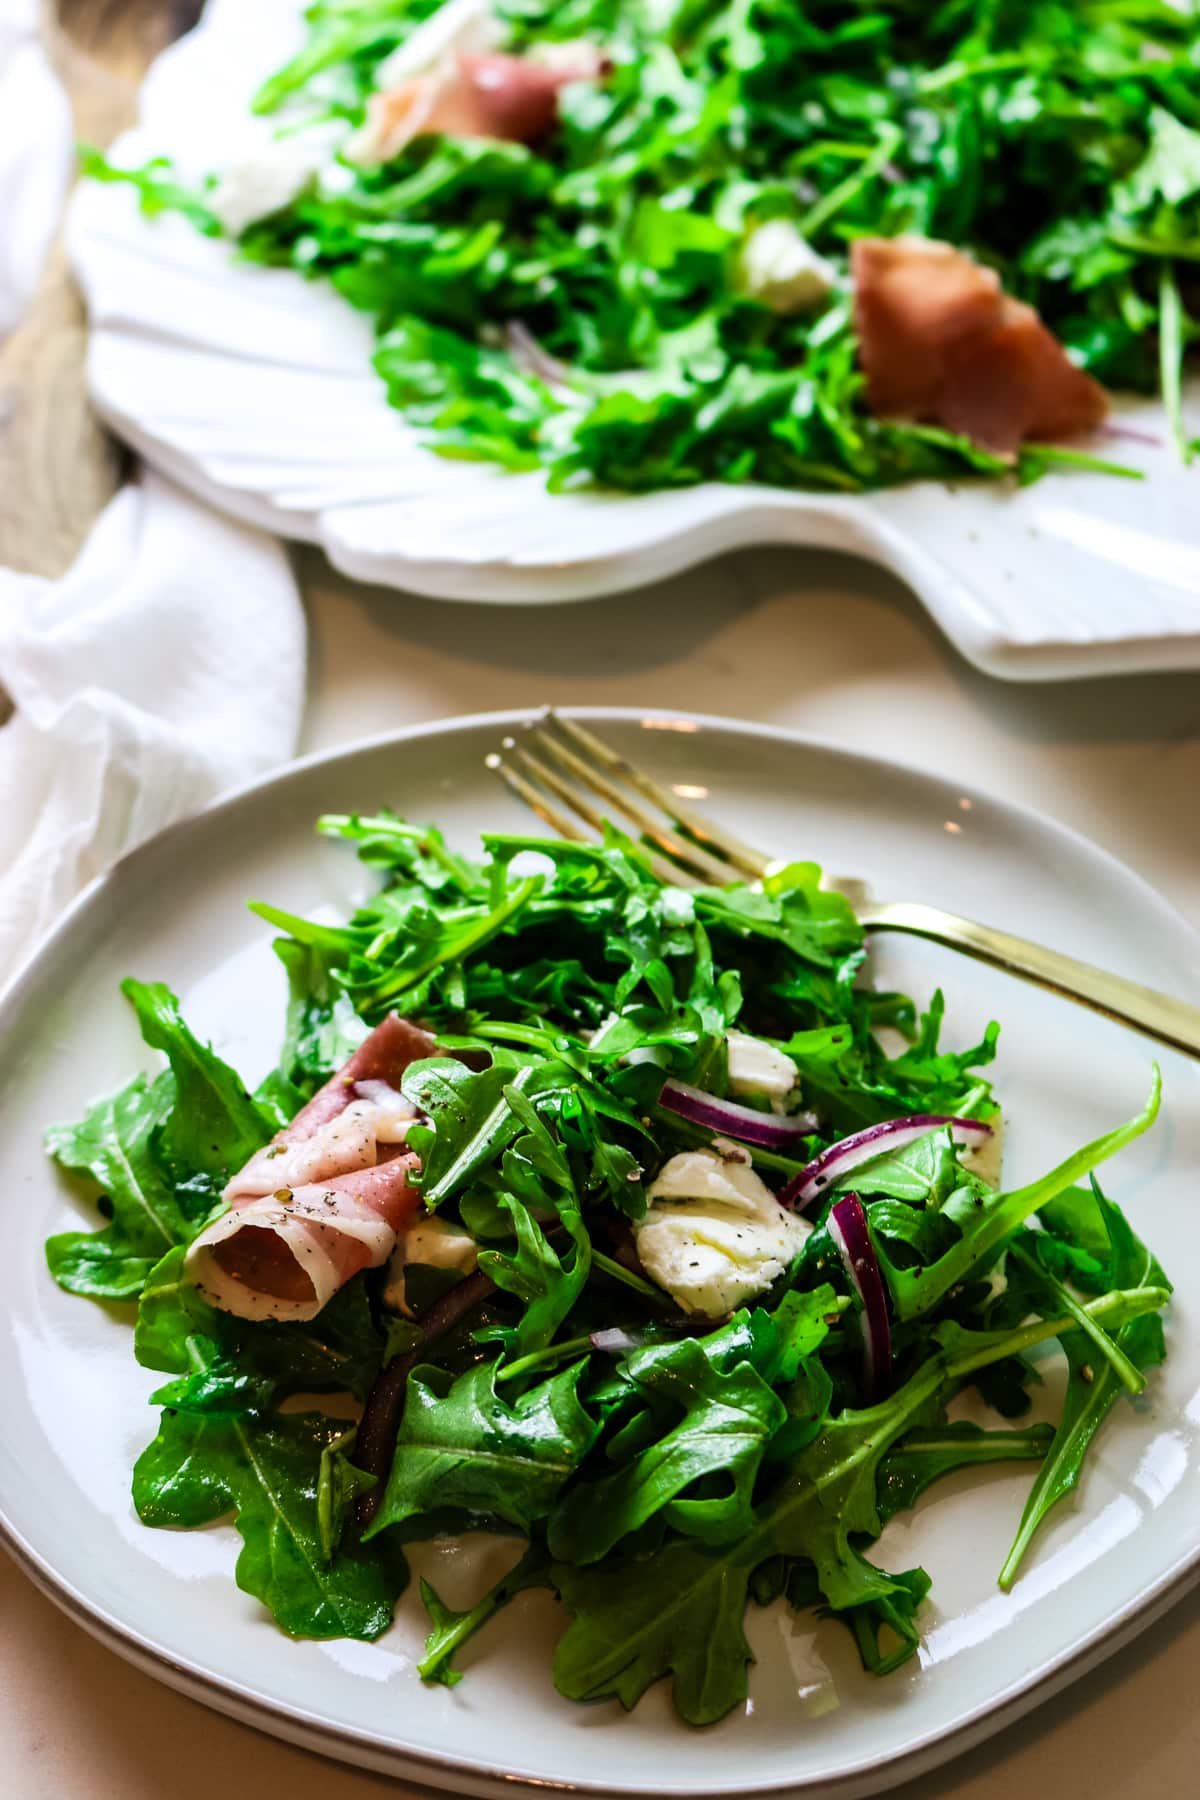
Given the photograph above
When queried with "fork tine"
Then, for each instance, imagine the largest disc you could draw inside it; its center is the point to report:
(550, 778)
(745, 859)
(536, 800)
(676, 849)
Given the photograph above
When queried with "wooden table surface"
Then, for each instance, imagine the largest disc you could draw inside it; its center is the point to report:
(58, 466)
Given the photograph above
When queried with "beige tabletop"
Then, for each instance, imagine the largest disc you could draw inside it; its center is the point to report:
(807, 641)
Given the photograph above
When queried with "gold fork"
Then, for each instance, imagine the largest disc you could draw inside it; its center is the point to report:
(558, 760)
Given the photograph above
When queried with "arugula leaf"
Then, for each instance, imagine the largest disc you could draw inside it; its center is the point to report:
(537, 1173)
(924, 1456)
(927, 1070)
(894, 1613)
(444, 940)
(214, 1127)
(472, 1117)
(279, 1099)
(1023, 1250)
(156, 186)
(339, 1483)
(923, 1173)
(419, 852)
(323, 1028)
(170, 1311)
(462, 1446)
(845, 1073)
(679, 1611)
(160, 1151)
(614, 1168)
(985, 1225)
(114, 1145)
(340, 1351)
(1170, 169)
(799, 1326)
(548, 1285)
(725, 1422)
(1076, 1241)
(222, 1386)
(180, 1480)
(792, 908)
(201, 1467)
(1091, 1392)
(361, 29)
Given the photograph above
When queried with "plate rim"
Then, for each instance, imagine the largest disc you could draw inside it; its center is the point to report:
(776, 519)
(368, 1749)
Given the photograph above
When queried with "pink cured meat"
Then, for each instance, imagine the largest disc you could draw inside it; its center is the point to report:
(326, 1197)
(940, 340)
(511, 98)
(516, 97)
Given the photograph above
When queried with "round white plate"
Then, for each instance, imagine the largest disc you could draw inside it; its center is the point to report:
(74, 1407)
(254, 387)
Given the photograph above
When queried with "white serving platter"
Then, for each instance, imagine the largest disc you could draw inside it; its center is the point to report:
(254, 388)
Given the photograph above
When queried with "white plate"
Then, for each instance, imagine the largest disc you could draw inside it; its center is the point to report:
(254, 387)
(74, 1399)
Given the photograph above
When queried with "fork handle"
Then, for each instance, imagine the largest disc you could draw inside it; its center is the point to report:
(1171, 1021)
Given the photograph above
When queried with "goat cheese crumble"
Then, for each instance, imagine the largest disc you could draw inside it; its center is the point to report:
(714, 1234)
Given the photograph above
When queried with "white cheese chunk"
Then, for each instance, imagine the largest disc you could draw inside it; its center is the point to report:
(714, 1233)
(267, 179)
(457, 28)
(567, 56)
(434, 1243)
(758, 1068)
(725, 1174)
(780, 268)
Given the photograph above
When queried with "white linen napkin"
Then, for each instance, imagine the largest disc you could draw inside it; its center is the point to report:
(36, 156)
(165, 667)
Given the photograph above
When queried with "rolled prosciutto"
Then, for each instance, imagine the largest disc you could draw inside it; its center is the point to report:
(326, 1197)
(511, 98)
(940, 340)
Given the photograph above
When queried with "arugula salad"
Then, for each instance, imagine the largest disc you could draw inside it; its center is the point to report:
(594, 1212)
(829, 244)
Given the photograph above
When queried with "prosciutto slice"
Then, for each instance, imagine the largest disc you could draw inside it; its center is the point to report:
(512, 98)
(326, 1197)
(940, 340)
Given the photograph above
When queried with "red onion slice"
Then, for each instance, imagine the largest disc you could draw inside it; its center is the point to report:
(375, 1445)
(532, 358)
(847, 1227)
(862, 1146)
(770, 1131)
(1133, 433)
(616, 1341)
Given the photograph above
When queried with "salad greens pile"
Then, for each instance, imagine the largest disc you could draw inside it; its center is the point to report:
(660, 1471)
(579, 308)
